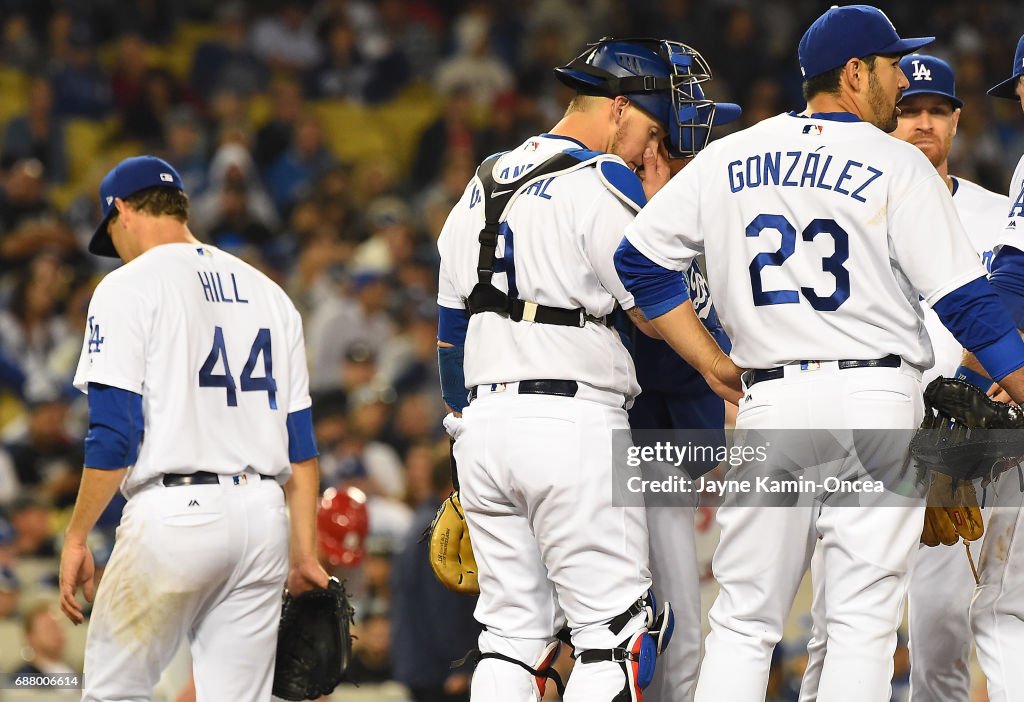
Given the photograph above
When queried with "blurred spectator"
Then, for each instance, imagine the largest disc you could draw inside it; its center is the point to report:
(390, 240)
(30, 328)
(146, 117)
(349, 454)
(186, 148)
(80, 86)
(44, 646)
(344, 72)
(412, 29)
(437, 201)
(233, 169)
(37, 134)
(293, 174)
(19, 48)
(33, 530)
(154, 20)
(227, 61)
(474, 66)
(274, 137)
(451, 137)
(28, 222)
(341, 320)
(287, 39)
(432, 626)
(47, 459)
(128, 76)
(371, 662)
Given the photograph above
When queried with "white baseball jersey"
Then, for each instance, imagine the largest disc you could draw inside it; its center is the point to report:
(1012, 224)
(556, 250)
(214, 347)
(819, 235)
(983, 214)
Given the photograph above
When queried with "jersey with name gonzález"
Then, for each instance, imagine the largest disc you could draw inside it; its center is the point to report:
(820, 234)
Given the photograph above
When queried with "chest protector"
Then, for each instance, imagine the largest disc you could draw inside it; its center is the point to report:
(497, 200)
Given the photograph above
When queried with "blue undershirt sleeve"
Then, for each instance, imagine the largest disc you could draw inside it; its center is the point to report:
(974, 315)
(301, 439)
(656, 290)
(115, 427)
(452, 325)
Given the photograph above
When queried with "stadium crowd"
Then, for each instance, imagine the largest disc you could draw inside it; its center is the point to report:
(325, 143)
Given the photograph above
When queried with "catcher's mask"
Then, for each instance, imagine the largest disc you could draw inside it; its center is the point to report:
(342, 525)
(662, 78)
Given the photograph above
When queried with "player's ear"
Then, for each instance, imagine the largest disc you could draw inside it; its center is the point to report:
(956, 119)
(855, 73)
(619, 105)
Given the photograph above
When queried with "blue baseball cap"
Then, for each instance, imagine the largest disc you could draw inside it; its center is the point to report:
(1008, 88)
(124, 180)
(929, 75)
(853, 31)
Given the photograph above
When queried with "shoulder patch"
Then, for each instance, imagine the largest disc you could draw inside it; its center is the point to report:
(623, 183)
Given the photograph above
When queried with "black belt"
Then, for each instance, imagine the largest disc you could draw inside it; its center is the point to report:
(753, 377)
(562, 388)
(199, 478)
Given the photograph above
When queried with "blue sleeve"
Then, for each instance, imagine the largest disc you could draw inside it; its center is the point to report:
(452, 325)
(453, 376)
(656, 290)
(301, 439)
(1008, 280)
(115, 427)
(974, 315)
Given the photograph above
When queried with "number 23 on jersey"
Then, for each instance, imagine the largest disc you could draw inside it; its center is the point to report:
(830, 264)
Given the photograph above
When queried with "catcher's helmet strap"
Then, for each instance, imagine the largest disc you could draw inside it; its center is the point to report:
(611, 85)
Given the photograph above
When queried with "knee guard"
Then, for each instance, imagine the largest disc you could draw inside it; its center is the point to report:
(541, 669)
(637, 655)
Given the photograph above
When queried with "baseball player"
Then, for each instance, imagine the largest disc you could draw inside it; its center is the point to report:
(195, 369)
(997, 611)
(526, 285)
(812, 225)
(940, 632)
(675, 396)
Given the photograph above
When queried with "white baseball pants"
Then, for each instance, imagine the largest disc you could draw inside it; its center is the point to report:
(535, 474)
(207, 562)
(867, 550)
(997, 612)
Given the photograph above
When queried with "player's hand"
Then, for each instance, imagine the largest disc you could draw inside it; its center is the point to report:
(725, 379)
(306, 574)
(656, 171)
(999, 395)
(453, 424)
(77, 568)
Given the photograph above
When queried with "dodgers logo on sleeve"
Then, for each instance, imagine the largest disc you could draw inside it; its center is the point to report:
(95, 340)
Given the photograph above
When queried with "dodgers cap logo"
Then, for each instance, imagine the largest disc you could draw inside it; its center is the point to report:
(929, 75)
(853, 31)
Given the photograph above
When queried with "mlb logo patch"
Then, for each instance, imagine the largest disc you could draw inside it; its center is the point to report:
(167, 177)
(813, 129)
(531, 146)
(810, 365)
